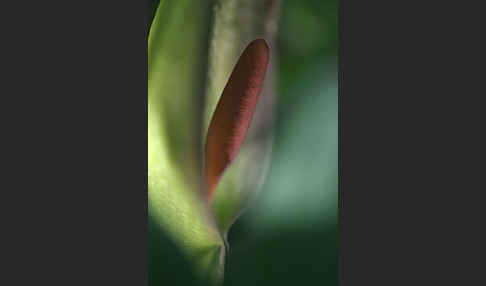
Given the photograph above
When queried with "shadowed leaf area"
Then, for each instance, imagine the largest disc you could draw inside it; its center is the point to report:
(152, 8)
(166, 264)
(286, 258)
(289, 234)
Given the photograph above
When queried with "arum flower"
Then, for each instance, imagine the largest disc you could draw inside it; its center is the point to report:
(189, 167)
(234, 111)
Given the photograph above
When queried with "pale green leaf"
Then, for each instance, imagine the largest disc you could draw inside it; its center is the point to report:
(177, 50)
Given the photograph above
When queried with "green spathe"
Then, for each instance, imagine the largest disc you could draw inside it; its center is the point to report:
(183, 92)
(175, 70)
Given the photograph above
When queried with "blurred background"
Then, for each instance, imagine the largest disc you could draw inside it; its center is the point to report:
(289, 233)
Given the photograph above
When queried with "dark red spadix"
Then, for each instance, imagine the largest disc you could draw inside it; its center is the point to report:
(234, 111)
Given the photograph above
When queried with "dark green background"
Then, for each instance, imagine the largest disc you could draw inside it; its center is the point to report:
(288, 236)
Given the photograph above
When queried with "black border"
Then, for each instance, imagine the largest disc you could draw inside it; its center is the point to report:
(76, 162)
